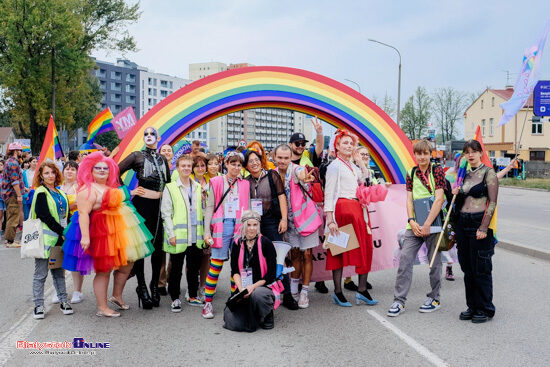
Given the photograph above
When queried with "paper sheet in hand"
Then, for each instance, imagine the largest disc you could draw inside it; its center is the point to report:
(341, 239)
(350, 244)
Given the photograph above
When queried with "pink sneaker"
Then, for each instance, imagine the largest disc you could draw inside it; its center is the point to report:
(207, 311)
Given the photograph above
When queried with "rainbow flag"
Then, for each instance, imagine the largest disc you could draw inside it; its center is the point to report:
(100, 124)
(51, 149)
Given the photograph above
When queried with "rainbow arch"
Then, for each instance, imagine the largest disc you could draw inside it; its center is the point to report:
(277, 87)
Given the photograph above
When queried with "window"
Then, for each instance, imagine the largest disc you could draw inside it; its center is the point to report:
(103, 84)
(171, 85)
(143, 84)
(491, 126)
(163, 93)
(492, 153)
(115, 97)
(154, 82)
(130, 99)
(483, 127)
(116, 86)
(150, 81)
(116, 75)
(130, 78)
(492, 101)
(536, 128)
(150, 101)
(164, 83)
(481, 104)
(130, 88)
(155, 92)
(101, 73)
(537, 155)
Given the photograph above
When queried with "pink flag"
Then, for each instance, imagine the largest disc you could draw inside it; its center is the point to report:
(124, 121)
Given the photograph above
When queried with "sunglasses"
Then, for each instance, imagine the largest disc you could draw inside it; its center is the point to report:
(364, 154)
(300, 143)
(101, 168)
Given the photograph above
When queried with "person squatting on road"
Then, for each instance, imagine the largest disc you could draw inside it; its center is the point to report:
(228, 198)
(343, 208)
(183, 231)
(428, 181)
(253, 267)
(476, 203)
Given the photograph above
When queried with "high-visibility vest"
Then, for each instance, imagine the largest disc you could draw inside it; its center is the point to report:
(50, 237)
(420, 191)
(306, 217)
(217, 184)
(180, 218)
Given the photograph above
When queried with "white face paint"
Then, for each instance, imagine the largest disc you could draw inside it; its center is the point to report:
(150, 137)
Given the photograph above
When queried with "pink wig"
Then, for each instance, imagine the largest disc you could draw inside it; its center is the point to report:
(340, 134)
(85, 176)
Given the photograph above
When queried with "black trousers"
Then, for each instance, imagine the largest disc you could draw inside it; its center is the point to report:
(474, 257)
(269, 227)
(194, 258)
(149, 209)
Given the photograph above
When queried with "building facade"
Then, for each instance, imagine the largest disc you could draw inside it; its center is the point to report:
(154, 87)
(502, 141)
(119, 84)
(270, 126)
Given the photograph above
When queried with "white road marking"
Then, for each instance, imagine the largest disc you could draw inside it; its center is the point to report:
(419, 348)
(23, 327)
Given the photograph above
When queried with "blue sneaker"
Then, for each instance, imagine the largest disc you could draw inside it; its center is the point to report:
(396, 309)
(430, 305)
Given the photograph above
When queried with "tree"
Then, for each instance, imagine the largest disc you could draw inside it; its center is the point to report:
(416, 113)
(45, 62)
(388, 105)
(448, 108)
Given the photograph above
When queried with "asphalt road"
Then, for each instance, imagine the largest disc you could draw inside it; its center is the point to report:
(523, 217)
(324, 334)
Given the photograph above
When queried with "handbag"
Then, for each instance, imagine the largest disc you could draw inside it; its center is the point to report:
(32, 245)
(448, 240)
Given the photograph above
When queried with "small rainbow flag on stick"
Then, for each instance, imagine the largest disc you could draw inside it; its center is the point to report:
(51, 149)
(100, 124)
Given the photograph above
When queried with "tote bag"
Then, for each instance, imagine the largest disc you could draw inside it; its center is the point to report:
(32, 239)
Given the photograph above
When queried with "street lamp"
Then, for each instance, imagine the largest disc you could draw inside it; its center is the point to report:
(398, 79)
(357, 84)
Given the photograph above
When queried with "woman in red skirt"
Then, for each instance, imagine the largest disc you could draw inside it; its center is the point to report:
(342, 208)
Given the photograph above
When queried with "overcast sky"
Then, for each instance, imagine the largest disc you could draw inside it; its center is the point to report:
(464, 44)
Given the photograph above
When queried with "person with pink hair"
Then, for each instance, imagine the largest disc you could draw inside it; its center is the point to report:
(105, 233)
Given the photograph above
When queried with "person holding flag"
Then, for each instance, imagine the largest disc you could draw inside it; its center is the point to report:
(476, 203)
(12, 188)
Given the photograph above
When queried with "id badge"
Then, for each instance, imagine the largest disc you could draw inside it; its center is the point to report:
(231, 208)
(193, 215)
(257, 206)
(246, 277)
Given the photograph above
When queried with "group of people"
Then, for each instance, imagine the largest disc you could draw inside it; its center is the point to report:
(204, 210)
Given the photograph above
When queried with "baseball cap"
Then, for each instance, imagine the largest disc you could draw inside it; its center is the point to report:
(297, 137)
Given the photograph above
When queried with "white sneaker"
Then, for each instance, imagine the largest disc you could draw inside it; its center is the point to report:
(207, 311)
(176, 305)
(55, 299)
(296, 296)
(303, 302)
(430, 305)
(396, 309)
(77, 297)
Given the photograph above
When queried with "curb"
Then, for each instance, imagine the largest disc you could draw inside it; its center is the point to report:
(525, 250)
(523, 188)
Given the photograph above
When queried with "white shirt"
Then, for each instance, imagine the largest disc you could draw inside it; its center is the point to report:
(341, 182)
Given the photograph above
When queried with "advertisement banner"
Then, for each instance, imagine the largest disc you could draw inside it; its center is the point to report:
(124, 121)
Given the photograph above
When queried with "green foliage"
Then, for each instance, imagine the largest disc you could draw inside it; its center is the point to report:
(416, 113)
(45, 48)
(530, 183)
(109, 139)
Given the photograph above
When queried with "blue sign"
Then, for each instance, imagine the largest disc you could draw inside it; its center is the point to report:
(541, 96)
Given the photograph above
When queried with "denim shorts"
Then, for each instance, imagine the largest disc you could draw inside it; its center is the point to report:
(2, 205)
(222, 253)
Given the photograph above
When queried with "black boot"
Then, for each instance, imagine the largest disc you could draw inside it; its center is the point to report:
(155, 295)
(268, 322)
(143, 297)
(321, 287)
(289, 302)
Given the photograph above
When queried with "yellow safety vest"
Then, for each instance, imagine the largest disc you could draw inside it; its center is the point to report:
(50, 237)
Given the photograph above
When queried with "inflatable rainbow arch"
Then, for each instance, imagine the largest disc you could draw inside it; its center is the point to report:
(278, 87)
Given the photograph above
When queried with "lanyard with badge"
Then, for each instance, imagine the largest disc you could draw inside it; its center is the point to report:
(257, 204)
(232, 205)
(192, 209)
(246, 272)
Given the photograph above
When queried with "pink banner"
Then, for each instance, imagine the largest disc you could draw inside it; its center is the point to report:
(387, 218)
(124, 121)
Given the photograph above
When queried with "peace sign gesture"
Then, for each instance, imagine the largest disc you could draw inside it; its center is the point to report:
(308, 176)
(317, 126)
